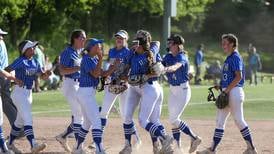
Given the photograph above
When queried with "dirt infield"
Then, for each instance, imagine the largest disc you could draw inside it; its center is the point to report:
(263, 134)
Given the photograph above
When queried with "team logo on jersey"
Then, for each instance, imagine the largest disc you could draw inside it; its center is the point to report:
(30, 71)
(225, 67)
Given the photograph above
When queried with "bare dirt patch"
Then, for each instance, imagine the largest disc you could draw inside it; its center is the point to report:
(46, 129)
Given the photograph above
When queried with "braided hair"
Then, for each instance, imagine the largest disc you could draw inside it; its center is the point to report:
(144, 39)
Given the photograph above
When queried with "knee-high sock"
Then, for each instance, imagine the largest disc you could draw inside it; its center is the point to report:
(68, 131)
(104, 123)
(97, 138)
(247, 136)
(28, 130)
(154, 130)
(184, 128)
(176, 135)
(81, 137)
(76, 129)
(128, 132)
(15, 131)
(218, 134)
(3, 145)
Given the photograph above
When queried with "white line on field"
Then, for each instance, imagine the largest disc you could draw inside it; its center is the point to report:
(253, 101)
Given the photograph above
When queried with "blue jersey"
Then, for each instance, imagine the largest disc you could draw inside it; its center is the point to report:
(181, 74)
(123, 55)
(233, 62)
(86, 79)
(26, 70)
(70, 58)
(139, 62)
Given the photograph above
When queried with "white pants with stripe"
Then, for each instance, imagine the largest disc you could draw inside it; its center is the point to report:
(147, 95)
(22, 99)
(179, 97)
(86, 97)
(69, 89)
(109, 100)
(235, 107)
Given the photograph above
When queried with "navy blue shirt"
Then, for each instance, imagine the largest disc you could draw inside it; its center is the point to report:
(26, 70)
(71, 58)
(86, 79)
(181, 74)
(233, 63)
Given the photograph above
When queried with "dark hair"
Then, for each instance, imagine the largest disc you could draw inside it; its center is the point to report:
(75, 34)
(200, 46)
(231, 38)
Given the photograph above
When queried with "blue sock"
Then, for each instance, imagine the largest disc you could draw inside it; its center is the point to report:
(2, 141)
(81, 137)
(176, 134)
(218, 134)
(97, 138)
(153, 138)
(162, 129)
(184, 128)
(29, 134)
(154, 130)
(69, 131)
(128, 131)
(76, 129)
(15, 131)
(104, 123)
(247, 136)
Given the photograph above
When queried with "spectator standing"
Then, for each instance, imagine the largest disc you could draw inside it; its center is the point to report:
(254, 65)
(40, 57)
(199, 58)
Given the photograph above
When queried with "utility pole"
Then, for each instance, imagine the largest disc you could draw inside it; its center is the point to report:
(170, 10)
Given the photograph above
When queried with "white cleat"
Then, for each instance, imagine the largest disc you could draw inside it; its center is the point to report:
(126, 150)
(38, 147)
(166, 145)
(250, 151)
(14, 149)
(194, 144)
(156, 148)
(63, 142)
(206, 151)
(92, 146)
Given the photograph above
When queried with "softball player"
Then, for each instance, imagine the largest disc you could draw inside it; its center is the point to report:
(3, 147)
(232, 83)
(89, 79)
(119, 53)
(176, 67)
(70, 67)
(26, 69)
(146, 93)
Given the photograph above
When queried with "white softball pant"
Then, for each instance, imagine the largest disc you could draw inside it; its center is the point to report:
(147, 95)
(109, 100)
(235, 107)
(69, 89)
(86, 97)
(179, 96)
(22, 99)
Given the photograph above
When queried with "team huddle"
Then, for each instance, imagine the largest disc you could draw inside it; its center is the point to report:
(132, 76)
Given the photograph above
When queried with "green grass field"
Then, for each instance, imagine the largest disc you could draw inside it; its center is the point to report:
(259, 103)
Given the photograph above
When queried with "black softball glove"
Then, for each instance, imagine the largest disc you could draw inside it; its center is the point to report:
(222, 100)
